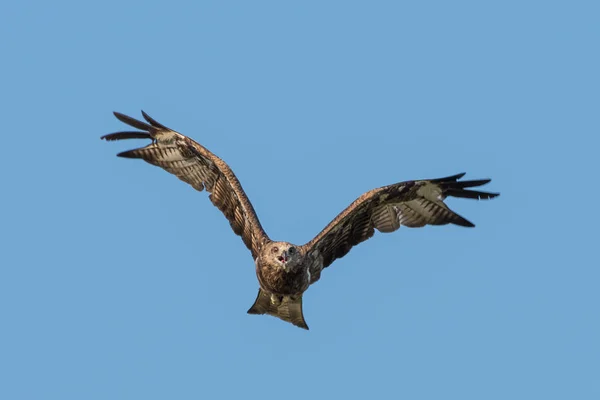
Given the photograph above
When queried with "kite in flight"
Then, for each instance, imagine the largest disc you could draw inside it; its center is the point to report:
(285, 270)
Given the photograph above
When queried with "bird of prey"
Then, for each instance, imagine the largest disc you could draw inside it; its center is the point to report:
(285, 270)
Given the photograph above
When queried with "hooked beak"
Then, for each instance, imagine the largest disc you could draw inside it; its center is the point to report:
(283, 258)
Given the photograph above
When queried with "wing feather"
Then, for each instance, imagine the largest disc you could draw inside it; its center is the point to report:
(197, 166)
(127, 135)
(412, 204)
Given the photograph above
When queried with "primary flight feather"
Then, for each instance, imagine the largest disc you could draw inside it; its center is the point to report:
(284, 270)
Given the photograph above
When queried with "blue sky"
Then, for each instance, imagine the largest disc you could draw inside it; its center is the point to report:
(117, 281)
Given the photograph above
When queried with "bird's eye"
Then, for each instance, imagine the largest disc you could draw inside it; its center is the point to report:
(292, 250)
(275, 249)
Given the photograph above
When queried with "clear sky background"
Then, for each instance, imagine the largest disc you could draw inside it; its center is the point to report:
(117, 281)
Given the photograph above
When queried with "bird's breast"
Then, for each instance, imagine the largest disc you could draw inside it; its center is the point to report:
(275, 280)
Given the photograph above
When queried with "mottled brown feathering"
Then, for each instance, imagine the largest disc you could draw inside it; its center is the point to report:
(282, 283)
(196, 165)
(411, 203)
(284, 270)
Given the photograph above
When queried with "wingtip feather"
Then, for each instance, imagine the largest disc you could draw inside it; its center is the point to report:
(459, 220)
(126, 135)
(464, 222)
(455, 188)
(129, 154)
(152, 121)
(452, 178)
(132, 121)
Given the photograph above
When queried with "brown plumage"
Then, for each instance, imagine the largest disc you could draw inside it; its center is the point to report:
(285, 271)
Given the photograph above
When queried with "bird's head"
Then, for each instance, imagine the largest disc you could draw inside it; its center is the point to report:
(283, 255)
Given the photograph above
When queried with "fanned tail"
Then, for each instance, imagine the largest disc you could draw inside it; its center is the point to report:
(289, 309)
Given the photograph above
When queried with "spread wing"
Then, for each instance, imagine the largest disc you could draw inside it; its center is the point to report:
(412, 204)
(196, 165)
